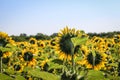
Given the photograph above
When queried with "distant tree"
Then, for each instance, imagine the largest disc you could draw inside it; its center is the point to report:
(53, 35)
(23, 34)
(40, 36)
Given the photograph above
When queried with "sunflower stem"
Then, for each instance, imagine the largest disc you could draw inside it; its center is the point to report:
(1, 64)
(73, 64)
(63, 65)
(93, 62)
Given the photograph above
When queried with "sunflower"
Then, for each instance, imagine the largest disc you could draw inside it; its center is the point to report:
(33, 41)
(27, 55)
(95, 62)
(53, 42)
(32, 63)
(47, 42)
(44, 64)
(7, 54)
(3, 39)
(84, 49)
(41, 44)
(117, 38)
(110, 43)
(97, 43)
(18, 67)
(23, 45)
(6, 60)
(64, 44)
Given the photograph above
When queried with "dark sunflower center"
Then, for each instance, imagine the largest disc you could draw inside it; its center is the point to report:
(28, 56)
(41, 45)
(3, 42)
(53, 43)
(97, 59)
(32, 42)
(5, 60)
(66, 45)
(17, 67)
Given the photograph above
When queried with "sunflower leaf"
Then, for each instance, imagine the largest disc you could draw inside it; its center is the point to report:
(42, 75)
(18, 77)
(9, 71)
(78, 40)
(55, 66)
(95, 75)
(5, 77)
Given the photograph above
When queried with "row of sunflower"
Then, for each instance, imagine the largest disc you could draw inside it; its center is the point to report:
(71, 55)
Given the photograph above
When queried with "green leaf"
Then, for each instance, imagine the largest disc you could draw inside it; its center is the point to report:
(78, 40)
(5, 77)
(10, 71)
(18, 77)
(55, 66)
(111, 77)
(43, 75)
(58, 61)
(94, 75)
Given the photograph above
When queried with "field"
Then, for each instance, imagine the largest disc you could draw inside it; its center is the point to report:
(71, 55)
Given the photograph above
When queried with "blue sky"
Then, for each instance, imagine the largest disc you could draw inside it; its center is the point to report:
(49, 16)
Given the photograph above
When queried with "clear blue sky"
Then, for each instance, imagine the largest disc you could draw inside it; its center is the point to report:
(49, 16)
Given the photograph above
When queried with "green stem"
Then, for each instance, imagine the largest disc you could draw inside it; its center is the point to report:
(64, 61)
(93, 62)
(73, 63)
(1, 64)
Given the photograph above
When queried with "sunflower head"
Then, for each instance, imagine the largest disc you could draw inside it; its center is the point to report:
(41, 44)
(5, 60)
(18, 67)
(32, 63)
(117, 38)
(28, 55)
(33, 41)
(53, 42)
(7, 54)
(3, 39)
(95, 61)
(64, 44)
(44, 65)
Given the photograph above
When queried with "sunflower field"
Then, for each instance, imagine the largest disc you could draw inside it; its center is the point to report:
(71, 55)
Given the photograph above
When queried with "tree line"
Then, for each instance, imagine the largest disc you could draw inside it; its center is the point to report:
(41, 36)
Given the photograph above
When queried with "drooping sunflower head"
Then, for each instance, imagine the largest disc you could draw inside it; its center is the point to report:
(96, 61)
(64, 44)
